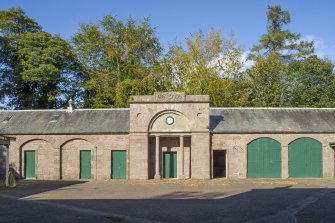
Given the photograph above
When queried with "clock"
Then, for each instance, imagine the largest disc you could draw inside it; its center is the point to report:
(169, 120)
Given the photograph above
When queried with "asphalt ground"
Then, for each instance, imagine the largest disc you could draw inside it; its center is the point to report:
(261, 200)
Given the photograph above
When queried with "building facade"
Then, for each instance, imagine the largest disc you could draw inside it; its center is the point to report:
(171, 135)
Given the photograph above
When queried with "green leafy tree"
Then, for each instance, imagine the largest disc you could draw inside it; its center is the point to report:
(209, 64)
(14, 21)
(277, 49)
(268, 81)
(312, 83)
(37, 68)
(287, 44)
(118, 60)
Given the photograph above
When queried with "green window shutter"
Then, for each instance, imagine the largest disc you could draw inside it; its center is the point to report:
(85, 164)
(264, 158)
(119, 164)
(30, 165)
(305, 158)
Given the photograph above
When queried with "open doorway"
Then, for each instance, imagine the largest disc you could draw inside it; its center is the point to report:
(219, 163)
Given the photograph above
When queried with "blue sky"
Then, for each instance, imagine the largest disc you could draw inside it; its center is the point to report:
(176, 19)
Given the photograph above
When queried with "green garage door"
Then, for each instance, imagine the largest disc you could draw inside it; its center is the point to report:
(119, 164)
(264, 158)
(85, 164)
(29, 164)
(305, 158)
(170, 165)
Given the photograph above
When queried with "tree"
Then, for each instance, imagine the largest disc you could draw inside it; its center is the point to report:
(14, 21)
(277, 49)
(267, 81)
(285, 43)
(36, 67)
(118, 59)
(210, 65)
(312, 83)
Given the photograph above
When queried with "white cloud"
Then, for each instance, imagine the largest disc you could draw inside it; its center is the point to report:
(247, 63)
(322, 49)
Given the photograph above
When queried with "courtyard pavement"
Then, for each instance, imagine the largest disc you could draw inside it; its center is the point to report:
(253, 201)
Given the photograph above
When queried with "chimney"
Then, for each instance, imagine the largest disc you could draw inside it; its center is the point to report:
(69, 108)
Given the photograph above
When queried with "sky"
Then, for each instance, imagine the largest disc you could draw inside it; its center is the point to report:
(177, 19)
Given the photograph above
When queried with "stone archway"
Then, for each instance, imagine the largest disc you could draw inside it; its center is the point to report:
(169, 121)
(305, 158)
(264, 158)
(71, 155)
(169, 145)
(46, 159)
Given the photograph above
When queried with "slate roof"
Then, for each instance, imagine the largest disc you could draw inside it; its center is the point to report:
(272, 120)
(222, 120)
(81, 121)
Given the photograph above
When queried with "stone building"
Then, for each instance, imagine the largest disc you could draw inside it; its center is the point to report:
(4, 155)
(171, 135)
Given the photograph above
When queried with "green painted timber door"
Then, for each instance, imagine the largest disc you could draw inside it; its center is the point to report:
(305, 158)
(85, 164)
(30, 164)
(264, 158)
(119, 164)
(170, 165)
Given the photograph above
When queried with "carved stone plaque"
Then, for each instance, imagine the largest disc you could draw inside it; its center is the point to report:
(169, 96)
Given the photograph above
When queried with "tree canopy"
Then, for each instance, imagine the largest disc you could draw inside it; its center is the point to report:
(118, 60)
(287, 44)
(36, 67)
(209, 64)
(286, 69)
(104, 63)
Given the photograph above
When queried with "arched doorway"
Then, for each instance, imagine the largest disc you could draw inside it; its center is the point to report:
(76, 159)
(305, 158)
(169, 146)
(264, 158)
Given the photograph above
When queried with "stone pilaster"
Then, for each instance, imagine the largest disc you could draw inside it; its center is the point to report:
(284, 161)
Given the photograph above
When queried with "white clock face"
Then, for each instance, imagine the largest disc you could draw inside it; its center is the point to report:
(169, 120)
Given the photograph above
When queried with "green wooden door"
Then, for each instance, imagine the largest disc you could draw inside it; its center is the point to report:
(30, 164)
(264, 158)
(170, 165)
(85, 164)
(305, 158)
(119, 164)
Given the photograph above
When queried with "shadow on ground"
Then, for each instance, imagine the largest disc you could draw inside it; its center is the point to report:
(26, 188)
(214, 207)
(193, 205)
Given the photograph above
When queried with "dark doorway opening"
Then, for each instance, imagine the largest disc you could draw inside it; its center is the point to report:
(219, 163)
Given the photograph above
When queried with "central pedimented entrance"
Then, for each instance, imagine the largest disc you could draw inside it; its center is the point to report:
(169, 146)
(169, 126)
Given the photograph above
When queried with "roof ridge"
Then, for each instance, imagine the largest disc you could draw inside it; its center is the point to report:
(64, 110)
(32, 110)
(271, 108)
(99, 109)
